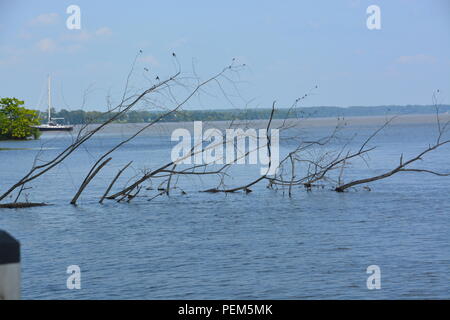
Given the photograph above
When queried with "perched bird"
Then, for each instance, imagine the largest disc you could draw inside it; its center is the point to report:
(146, 69)
(140, 51)
(157, 78)
(173, 54)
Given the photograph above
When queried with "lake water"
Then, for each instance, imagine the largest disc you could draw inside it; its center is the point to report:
(262, 245)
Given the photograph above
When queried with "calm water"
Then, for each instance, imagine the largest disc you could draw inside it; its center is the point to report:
(263, 245)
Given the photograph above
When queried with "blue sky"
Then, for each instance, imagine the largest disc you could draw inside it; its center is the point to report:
(288, 46)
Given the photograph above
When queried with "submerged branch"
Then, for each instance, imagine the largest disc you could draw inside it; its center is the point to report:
(114, 181)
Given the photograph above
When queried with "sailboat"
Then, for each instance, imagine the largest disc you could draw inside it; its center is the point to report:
(52, 125)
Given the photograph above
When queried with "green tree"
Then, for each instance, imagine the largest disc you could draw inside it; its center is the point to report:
(16, 122)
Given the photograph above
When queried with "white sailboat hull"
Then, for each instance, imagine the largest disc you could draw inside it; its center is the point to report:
(56, 127)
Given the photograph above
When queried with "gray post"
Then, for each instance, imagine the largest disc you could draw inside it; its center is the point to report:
(9, 267)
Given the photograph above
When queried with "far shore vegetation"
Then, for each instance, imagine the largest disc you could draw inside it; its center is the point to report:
(82, 117)
(17, 122)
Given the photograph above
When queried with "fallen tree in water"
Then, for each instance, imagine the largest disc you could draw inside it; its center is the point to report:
(308, 164)
(19, 205)
(402, 167)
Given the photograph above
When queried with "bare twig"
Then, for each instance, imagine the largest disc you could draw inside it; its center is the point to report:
(114, 181)
(87, 180)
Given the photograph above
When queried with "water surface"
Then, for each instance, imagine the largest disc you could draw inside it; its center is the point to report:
(264, 245)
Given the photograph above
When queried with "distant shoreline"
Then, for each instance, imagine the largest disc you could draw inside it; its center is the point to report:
(141, 116)
(166, 128)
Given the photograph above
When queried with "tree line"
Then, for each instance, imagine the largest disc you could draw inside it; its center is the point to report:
(145, 116)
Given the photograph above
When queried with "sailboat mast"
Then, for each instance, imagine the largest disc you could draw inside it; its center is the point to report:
(49, 100)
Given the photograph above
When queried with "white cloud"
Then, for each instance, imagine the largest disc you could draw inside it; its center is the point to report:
(354, 3)
(150, 60)
(45, 19)
(314, 24)
(84, 35)
(178, 43)
(25, 35)
(417, 59)
(9, 61)
(74, 48)
(72, 41)
(144, 44)
(46, 45)
(79, 36)
(103, 31)
(10, 55)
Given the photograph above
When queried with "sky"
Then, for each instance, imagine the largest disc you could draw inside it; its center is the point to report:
(289, 47)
